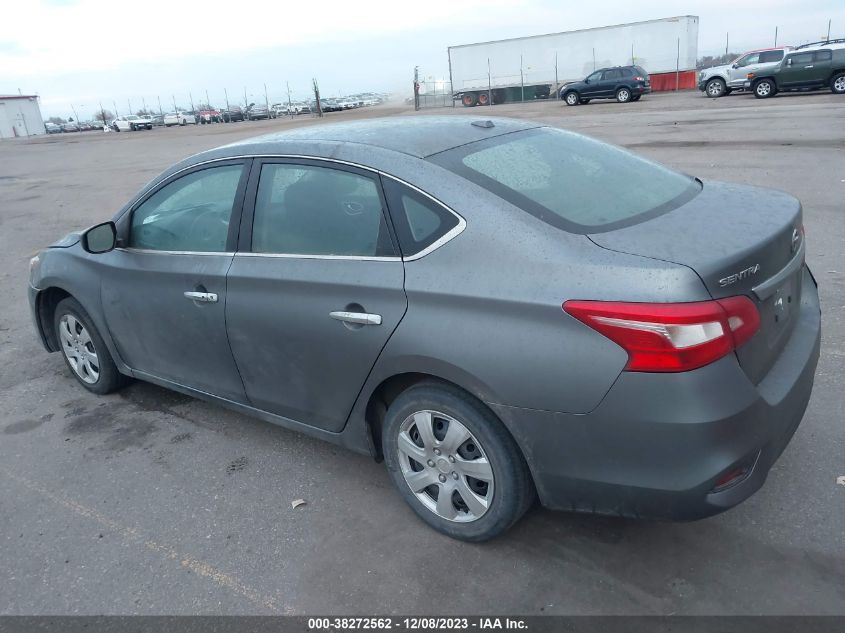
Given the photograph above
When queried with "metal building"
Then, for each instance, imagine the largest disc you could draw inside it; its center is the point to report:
(20, 115)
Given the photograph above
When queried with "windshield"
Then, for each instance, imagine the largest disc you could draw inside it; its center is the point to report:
(570, 181)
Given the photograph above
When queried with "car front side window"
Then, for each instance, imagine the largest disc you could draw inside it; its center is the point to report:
(748, 60)
(312, 211)
(191, 213)
(596, 76)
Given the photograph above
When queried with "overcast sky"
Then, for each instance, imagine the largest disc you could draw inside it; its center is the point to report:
(78, 52)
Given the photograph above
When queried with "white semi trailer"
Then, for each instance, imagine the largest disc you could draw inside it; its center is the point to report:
(534, 67)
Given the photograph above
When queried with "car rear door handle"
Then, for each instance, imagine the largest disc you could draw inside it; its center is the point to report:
(361, 318)
(202, 297)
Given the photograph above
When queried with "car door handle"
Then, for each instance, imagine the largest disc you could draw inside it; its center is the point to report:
(361, 318)
(808, 66)
(202, 297)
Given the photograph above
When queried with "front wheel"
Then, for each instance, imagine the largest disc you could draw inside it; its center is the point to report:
(716, 88)
(623, 95)
(764, 89)
(837, 84)
(83, 349)
(571, 98)
(454, 462)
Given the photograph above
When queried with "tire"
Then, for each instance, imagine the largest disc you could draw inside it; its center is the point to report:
(184, 122)
(623, 95)
(483, 99)
(131, 127)
(837, 84)
(764, 89)
(79, 340)
(571, 98)
(115, 128)
(716, 88)
(483, 446)
(469, 100)
(149, 127)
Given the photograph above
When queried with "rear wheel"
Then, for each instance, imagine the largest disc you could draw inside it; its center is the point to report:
(454, 462)
(468, 99)
(764, 89)
(483, 99)
(837, 84)
(83, 349)
(716, 87)
(571, 98)
(623, 95)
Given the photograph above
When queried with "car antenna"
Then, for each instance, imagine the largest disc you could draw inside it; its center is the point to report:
(486, 124)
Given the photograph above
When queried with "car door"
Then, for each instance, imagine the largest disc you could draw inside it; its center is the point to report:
(609, 81)
(164, 289)
(592, 85)
(740, 68)
(316, 288)
(796, 70)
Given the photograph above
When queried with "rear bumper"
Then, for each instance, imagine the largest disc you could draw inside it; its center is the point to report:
(657, 444)
(640, 90)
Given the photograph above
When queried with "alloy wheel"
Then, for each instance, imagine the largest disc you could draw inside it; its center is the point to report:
(572, 98)
(764, 89)
(714, 88)
(839, 84)
(79, 349)
(445, 466)
(623, 95)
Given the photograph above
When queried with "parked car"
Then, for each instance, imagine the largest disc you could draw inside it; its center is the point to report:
(131, 122)
(256, 112)
(157, 120)
(810, 67)
(719, 81)
(233, 114)
(70, 126)
(179, 118)
(623, 83)
(52, 128)
(495, 307)
(297, 107)
(210, 116)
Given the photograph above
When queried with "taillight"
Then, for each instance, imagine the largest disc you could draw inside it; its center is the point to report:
(638, 78)
(671, 337)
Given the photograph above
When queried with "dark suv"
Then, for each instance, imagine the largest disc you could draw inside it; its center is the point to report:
(623, 83)
(808, 67)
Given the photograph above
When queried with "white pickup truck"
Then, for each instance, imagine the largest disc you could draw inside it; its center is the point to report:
(719, 81)
(131, 122)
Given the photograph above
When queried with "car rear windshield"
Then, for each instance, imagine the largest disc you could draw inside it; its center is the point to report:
(570, 181)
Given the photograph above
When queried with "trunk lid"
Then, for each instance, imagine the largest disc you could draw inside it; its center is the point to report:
(740, 240)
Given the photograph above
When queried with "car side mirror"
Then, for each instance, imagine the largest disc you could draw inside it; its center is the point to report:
(100, 238)
(789, 62)
(735, 66)
(586, 81)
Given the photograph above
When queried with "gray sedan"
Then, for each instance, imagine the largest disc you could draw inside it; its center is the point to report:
(497, 309)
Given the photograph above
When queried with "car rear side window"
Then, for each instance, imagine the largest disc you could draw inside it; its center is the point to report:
(309, 210)
(191, 213)
(767, 57)
(419, 221)
(570, 181)
(823, 55)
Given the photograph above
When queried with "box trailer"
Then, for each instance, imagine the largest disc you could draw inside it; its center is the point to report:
(535, 67)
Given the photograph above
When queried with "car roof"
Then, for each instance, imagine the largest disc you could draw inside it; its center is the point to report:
(419, 136)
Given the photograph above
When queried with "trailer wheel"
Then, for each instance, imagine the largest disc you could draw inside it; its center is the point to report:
(468, 99)
(483, 99)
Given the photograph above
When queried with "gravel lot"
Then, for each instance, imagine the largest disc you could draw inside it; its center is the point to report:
(148, 501)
